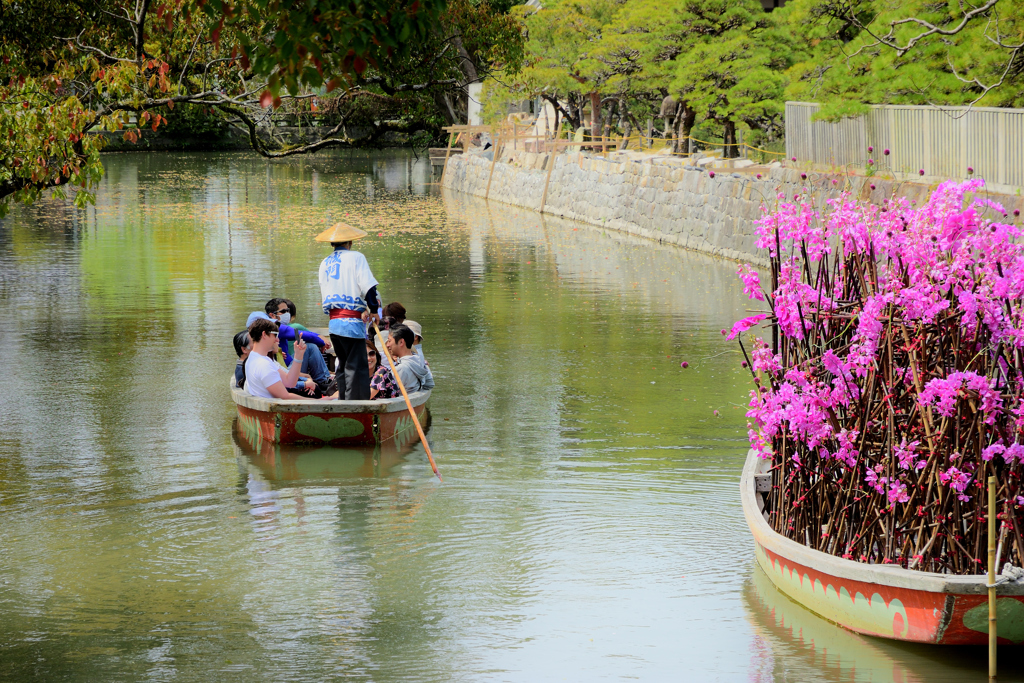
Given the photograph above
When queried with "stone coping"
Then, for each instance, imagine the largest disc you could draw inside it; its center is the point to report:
(884, 575)
(384, 405)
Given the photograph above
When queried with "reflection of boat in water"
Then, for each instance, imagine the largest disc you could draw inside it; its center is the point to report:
(808, 647)
(338, 423)
(311, 464)
(878, 600)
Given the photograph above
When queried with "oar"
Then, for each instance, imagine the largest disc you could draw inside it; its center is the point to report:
(408, 403)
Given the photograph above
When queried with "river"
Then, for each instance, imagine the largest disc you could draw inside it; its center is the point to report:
(588, 526)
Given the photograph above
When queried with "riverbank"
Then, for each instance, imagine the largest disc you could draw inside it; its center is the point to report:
(664, 198)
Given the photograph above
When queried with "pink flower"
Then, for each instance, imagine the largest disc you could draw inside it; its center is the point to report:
(873, 480)
(897, 493)
(957, 481)
(745, 324)
(905, 453)
(943, 393)
(751, 282)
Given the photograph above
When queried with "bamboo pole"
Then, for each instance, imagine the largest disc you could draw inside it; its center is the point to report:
(448, 153)
(494, 160)
(551, 165)
(992, 637)
(408, 403)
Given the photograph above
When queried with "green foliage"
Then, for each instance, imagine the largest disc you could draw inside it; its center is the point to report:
(847, 67)
(732, 63)
(195, 121)
(312, 44)
(720, 59)
(733, 69)
(71, 68)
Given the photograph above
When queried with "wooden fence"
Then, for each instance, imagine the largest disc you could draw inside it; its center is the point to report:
(943, 142)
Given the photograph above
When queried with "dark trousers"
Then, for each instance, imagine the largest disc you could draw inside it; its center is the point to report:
(352, 372)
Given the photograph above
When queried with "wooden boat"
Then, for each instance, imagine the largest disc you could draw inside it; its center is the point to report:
(873, 599)
(337, 423)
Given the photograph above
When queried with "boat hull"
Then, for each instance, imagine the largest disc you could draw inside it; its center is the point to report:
(879, 600)
(334, 423)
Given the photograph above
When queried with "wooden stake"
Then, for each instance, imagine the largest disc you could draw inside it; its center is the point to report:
(992, 577)
(444, 169)
(551, 166)
(494, 160)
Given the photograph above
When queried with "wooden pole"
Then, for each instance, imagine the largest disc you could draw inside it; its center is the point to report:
(444, 169)
(494, 160)
(408, 403)
(992, 577)
(515, 133)
(551, 166)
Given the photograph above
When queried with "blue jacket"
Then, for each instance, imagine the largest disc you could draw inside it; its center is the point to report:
(286, 333)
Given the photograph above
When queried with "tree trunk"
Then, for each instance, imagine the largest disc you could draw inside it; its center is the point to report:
(689, 118)
(443, 102)
(731, 152)
(626, 124)
(685, 116)
(595, 115)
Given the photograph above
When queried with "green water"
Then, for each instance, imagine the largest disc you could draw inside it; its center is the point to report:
(588, 527)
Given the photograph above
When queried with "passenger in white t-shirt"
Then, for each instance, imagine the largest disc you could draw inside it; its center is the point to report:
(263, 376)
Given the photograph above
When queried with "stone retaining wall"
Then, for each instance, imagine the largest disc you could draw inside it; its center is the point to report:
(662, 199)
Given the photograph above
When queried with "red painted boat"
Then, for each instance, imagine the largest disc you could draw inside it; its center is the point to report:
(337, 423)
(877, 600)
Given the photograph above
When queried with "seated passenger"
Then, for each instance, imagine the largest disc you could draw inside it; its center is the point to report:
(313, 364)
(382, 382)
(411, 368)
(394, 313)
(243, 345)
(264, 377)
(417, 344)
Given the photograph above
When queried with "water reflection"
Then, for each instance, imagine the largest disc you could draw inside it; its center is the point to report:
(792, 644)
(317, 465)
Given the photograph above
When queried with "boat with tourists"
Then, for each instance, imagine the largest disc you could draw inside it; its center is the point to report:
(335, 423)
(876, 599)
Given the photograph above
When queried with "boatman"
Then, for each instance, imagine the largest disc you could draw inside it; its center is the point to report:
(348, 291)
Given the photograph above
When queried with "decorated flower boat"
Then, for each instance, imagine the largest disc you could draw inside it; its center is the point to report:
(337, 423)
(876, 599)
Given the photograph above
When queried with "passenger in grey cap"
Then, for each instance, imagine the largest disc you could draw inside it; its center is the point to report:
(417, 344)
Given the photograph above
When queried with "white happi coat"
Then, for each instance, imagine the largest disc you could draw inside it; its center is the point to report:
(345, 278)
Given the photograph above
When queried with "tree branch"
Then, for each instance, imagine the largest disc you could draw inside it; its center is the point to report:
(901, 50)
(142, 7)
(94, 50)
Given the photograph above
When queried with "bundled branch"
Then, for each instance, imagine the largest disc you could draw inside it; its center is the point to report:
(891, 386)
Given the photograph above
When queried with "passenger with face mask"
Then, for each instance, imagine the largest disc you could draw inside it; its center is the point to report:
(313, 364)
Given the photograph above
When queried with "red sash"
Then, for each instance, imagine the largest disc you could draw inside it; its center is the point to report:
(344, 313)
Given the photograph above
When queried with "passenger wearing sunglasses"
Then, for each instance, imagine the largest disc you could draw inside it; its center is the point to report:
(264, 377)
(313, 363)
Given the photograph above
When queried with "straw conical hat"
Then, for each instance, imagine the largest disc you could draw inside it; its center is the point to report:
(340, 232)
